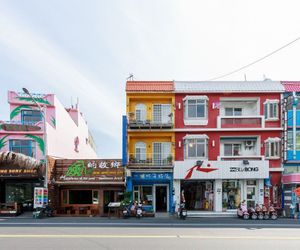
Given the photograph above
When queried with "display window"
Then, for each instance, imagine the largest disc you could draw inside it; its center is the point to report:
(198, 195)
(231, 194)
(143, 194)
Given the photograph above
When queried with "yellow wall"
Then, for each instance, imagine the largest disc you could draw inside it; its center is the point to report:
(149, 99)
(149, 138)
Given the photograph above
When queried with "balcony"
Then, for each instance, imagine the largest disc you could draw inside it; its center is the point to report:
(241, 122)
(163, 122)
(150, 160)
(20, 126)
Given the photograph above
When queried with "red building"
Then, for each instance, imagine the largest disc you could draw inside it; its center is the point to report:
(228, 139)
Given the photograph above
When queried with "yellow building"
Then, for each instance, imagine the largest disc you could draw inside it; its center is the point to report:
(150, 143)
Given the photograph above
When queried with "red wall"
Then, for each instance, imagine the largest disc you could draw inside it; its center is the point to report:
(213, 113)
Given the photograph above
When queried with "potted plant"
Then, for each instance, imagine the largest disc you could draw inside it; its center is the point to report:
(169, 159)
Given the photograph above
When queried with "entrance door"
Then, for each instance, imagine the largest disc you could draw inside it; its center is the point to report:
(161, 198)
(108, 196)
(251, 192)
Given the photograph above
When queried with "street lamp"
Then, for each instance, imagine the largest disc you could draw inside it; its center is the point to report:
(42, 110)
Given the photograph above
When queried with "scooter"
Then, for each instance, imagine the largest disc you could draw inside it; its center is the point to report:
(265, 212)
(139, 211)
(182, 211)
(242, 212)
(126, 212)
(260, 214)
(272, 213)
(252, 213)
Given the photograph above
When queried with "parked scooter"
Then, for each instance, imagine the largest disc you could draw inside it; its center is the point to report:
(139, 210)
(242, 211)
(126, 212)
(258, 210)
(41, 212)
(252, 213)
(272, 213)
(182, 211)
(265, 212)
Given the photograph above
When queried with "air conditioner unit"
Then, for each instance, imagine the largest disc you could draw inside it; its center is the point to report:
(249, 143)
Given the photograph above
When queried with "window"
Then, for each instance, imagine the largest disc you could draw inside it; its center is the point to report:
(162, 113)
(195, 107)
(233, 111)
(143, 194)
(140, 152)
(161, 153)
(140, 112)
(272, 147)
(232, 149)
(196, 148)
(271, 109)
(31, 116)
(26, 147)
(290, 140)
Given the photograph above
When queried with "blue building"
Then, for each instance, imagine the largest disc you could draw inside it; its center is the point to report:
(291, 143)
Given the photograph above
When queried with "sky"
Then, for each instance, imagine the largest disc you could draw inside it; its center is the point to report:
(87, 49)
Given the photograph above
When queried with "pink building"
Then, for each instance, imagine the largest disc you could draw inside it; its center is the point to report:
(66, 135)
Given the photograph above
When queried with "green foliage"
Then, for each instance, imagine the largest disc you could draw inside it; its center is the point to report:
(39, 141)
(53, 120)
(76, 169)
(39, 100)
(17, 110)
(3, 142)
(127, 199)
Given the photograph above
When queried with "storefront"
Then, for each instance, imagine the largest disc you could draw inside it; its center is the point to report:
(19, 175)
(86, 187)
(153, 189)
(220, 185)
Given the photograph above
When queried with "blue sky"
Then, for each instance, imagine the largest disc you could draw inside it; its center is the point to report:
(86, 49)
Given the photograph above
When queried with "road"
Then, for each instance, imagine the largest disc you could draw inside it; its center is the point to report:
(142, 238)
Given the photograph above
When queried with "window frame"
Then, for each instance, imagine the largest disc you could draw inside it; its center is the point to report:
(31, 146)
(142, 108)
(141, 146)
(203, 99)
(233, 145)
(268, 148)
(233, 111)
(195, 139)
(24, 115)
(268, 105)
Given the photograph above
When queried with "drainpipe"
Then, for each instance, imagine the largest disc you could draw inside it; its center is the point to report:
(295, 102)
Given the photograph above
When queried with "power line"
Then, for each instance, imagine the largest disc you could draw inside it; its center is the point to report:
(256, 61)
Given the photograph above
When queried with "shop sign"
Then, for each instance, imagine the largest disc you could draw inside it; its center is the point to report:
(91, 170)
(221, 169)
(152, 176)
(40, 197)
(17, 172)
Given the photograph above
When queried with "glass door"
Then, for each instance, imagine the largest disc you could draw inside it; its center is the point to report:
(251, 193)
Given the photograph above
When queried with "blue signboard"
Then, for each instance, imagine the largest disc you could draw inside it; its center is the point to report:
(152, 176)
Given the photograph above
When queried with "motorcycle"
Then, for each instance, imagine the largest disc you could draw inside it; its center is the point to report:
(139, 211)
(242, 212)
(260, 214)
(272, 213)
(41, 212)
(265, 212)
(126, 212)
(182, 211)
(252, 213)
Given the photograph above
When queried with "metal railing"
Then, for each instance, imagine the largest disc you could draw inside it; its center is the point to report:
(241, 122)
(150, 159)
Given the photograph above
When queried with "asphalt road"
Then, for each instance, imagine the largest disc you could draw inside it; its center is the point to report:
(148, 222)
(131, 238)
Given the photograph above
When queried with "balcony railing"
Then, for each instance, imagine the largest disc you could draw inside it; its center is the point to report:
(165, 122)
(241, 122)
(240, 158)
(150, 160)
(21, 125)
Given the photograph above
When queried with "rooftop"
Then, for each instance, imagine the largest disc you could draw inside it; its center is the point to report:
(291, 86)
(149, 86)
(228, 86)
